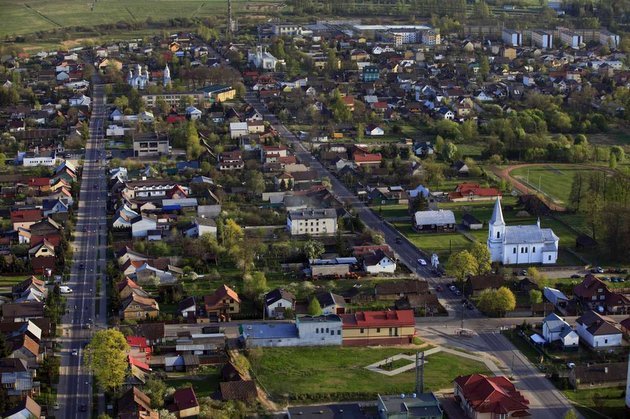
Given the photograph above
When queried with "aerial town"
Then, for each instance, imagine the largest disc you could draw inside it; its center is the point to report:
(309, 210)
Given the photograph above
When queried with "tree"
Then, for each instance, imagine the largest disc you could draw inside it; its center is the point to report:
(570, 414)
(612, 163)
(535, 296)
(419, 203)
(254, 284)
(255, 182)
(314, 308)
(3, 160)
(481, 254)
(497, 302)
(313, 249)
(156, 390)
(193, 144)
(106, 356)
(232, 234)
(460, 265)
(5, 348)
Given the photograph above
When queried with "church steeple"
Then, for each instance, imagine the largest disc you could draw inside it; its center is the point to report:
(167, 76)
(497, 213)
(496, 227)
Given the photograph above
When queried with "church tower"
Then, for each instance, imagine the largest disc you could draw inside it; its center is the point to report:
(167, 76)
(496, 231)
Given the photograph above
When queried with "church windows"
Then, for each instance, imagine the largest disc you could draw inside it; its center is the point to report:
(549, 257)
(534, 249)
(514, 250)
(498, 234)
(526, 249)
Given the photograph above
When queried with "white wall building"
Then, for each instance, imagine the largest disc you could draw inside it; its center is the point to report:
(512, 38)
(524, 244)
(260, 58)
(598, 331)
(315, 222)
(542, 39)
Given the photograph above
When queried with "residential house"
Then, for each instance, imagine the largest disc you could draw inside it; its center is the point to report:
(231, 160)
(434, 220)
(554, 328)
(184, 403)
(598, 331)
(555, 297)
(151, 144)
(331, 303)
(473, 192)
(378, 262)
(47, 229)
(42, 249)
(25, 409)
(135, 404)
(476, 284)
(136, 307)
(312, 221)
(25, 218)
(374, 130)
(277, 301)
(26, 347)
(480, 396)
(361, 157)
(368, 328)
(200, 226)
(17, 378)
(390, 291)
(123, 217)
(187, 308)
(22, 312)
(222, 303)
(238, 130)
(460, 168)
(594, 293)
(591, 376)
(141, 225)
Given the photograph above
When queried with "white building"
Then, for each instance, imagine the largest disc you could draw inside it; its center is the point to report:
(570, 38)
(524, 244)
(378, 263)
(598, 331)
(30, 159)
(555, 328)
(609, 38)
(287, 29)
(512, 38)
(262, 59)
(138, 79)
(314, 221)
(306, 331)
(542, 39)
(141, 226)
(277, 301)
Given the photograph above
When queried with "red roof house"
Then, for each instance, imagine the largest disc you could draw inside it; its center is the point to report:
(495, 395)
(223, 303)
(388, 327)
(25, 217)
(185, 403)
(473, 192)
(363, 158)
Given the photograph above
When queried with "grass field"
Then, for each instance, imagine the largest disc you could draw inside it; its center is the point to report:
(440, 243)
(205, 382)
(7, 281)
(599, 403)
(21, 17)
(554, 180)
(324, 373)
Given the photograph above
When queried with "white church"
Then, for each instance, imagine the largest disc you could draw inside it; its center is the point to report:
(523, 244)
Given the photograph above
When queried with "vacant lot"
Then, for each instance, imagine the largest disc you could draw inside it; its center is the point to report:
(339, 373)
(599, 403)
(21, 17)
(553, 180)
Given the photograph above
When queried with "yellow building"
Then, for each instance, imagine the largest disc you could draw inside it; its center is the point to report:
(390, 327)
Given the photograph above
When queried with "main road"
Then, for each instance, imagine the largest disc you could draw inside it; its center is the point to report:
(86, 304)
(546, 400)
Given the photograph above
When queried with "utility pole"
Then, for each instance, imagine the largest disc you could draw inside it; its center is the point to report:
(419, 372)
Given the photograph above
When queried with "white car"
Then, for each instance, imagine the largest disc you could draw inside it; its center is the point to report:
(65, 289)
(75, 352)
(422, 262)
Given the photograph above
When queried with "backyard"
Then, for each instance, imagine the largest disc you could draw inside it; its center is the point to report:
(599, 403)
(339, 373)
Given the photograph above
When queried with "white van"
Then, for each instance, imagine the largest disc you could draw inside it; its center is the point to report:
(65, 289)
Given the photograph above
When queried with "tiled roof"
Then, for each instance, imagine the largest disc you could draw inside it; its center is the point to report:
(388, 318)
(238, 390)
(220, 294)
(491, 394)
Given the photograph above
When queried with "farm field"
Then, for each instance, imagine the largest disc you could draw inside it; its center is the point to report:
(339, 373)
(553, 180)
(21, 17)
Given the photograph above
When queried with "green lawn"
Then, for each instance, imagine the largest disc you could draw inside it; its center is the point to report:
(554, 180)
(599, 403)
(338, 373)
(205, 381)
(391, 211)
(441, 243)
(40, 15)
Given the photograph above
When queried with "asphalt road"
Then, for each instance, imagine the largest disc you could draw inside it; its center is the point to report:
(74, 392)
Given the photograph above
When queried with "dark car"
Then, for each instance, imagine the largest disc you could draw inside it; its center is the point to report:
(83, 408)
(398, 240)
(574, 276)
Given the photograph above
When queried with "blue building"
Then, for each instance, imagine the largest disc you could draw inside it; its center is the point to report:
(370, 73)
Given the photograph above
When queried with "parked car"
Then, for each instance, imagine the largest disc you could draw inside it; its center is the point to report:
(422, 262)
(575, 276)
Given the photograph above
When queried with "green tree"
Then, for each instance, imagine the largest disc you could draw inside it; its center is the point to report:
(612, 163)
(232, 234)
(535, 296)
(497, 302)
(122, 103)
(313, 249)
(449, 152)
(460, 265)
(3, 160)
(193, 144)
(570, 414)
(314, 308)
(106, 356)
(156, 390)
(255, 182)
(481, 254)
(254, 284)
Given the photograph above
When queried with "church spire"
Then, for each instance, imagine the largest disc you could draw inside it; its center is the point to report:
(497, 213)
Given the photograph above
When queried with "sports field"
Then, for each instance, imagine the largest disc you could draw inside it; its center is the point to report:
(22, 17)
(553, 180)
